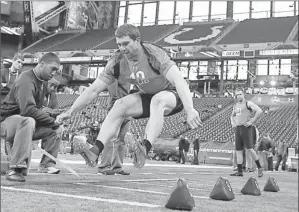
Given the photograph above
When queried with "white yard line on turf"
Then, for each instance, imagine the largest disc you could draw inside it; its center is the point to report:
(79, 162)
(149, 180)
(135, 190)
(140, 204)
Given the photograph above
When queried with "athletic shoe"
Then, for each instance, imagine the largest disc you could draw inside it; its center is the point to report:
(122, 173)
(82, 148)
(139, 155)
(48, 170)
(260, 172)
(239, 174)
(15, 175)
(107, 172)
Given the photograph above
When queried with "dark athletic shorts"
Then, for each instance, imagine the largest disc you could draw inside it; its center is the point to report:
(245, 137)
(146, 101)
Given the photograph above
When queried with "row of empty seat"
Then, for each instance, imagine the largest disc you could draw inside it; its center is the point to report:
(264, 30)
(280, 121)
(47, 42)
(197, 34)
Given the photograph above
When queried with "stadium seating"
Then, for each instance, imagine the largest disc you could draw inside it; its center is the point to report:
(85, 40)
(280, 122)
(149, 33)
(47, 42)
(65, 100)
(264, 30)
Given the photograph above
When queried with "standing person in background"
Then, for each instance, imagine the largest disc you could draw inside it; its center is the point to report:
(9, 75)
(250, 165)
(243, 122)
(282, 155)
(113, 155)
(181, 158)
(196, 147)
(265, 151)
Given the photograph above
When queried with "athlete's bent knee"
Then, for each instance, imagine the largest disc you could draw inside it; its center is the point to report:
(158, 104)
(120, 105)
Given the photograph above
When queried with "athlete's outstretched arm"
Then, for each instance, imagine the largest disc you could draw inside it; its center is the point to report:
(88, 95)
(175, 77)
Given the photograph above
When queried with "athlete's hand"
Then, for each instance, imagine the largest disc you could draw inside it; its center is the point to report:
(247, 124)
(47, 110)
(193, 118)
(63, 117)
(234, 125)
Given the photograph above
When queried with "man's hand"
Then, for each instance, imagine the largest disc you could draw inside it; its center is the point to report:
(55, 112)
(234, 125)
(63, 117)
(247, 124)
(47, 110)
(193, 118)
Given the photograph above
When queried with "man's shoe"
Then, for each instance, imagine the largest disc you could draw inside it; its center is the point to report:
(107, 172)
(122, 173)
(82, 148)
(24, 172)
(48, 170)
(13, 175)
(260, 172)
(139, 155)
(239, 174)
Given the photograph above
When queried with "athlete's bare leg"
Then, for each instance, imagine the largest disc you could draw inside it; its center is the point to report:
(128, 106)
(161, 104)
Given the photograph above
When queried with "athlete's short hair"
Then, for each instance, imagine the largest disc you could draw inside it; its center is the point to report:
(17, 57)
(127, 30)
(49, 58)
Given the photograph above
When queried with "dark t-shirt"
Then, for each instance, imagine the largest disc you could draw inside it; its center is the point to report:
(184, 145)
(265, 144)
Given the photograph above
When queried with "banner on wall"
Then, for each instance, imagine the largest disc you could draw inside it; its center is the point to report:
(77, 17)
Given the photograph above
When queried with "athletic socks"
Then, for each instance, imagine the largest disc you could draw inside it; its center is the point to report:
(240, 168)
(98, 147)
(258, 164)
(147, 145)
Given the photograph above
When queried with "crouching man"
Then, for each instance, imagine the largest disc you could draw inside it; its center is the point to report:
(23, 120)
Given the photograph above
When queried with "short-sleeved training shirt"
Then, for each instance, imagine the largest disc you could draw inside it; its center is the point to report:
(141, 74)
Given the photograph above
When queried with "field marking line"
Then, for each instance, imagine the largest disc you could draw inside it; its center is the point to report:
(82, 162)
(115, 201)
(136, 190)
(168, 186)
(150, 180)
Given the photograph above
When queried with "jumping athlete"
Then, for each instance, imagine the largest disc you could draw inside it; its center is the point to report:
(163, 92)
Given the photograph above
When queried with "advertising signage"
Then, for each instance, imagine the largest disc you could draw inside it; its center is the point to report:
(247, 54)
(278, 52)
